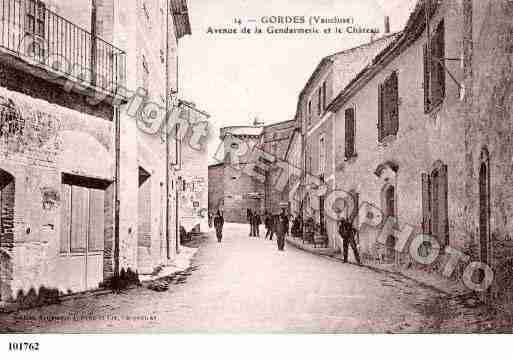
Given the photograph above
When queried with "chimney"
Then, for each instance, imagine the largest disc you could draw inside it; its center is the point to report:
(387, 25)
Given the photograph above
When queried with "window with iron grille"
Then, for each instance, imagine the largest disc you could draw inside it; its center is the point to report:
(388, 107)
(350, 133)
(434, 69)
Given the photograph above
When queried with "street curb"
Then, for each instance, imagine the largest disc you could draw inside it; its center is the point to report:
(375, 268)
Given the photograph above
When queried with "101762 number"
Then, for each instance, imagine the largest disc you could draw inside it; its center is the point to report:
(23, 347)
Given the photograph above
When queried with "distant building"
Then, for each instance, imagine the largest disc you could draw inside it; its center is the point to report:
(193, 175)
(230, 188)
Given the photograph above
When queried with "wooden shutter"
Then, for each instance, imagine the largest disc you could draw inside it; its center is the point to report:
(427, 80)
(437, 68)
(426, 201)
(96, 220)
(393, 104)
(79, 218)
(65, 218)
(444, 205)
(380, 112)
(350, 132)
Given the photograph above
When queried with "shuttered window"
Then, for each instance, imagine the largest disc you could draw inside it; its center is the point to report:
(435, 216)
(350, 132)
(388, 107)
(319, 102)
(324, 96)
(82, 217)
(434, 72)
(322, 154)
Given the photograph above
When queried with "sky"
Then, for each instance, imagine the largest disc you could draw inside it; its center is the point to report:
(237, 77)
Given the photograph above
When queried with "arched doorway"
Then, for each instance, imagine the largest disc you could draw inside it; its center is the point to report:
(484, 206)
(7, 193)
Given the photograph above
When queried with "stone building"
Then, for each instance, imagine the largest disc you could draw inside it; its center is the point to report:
(332, 74)
(424, 134)
(65, 108)
(230, 188)
(193, 175)
(275, 140)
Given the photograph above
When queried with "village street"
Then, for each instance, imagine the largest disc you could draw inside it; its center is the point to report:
(245, 285)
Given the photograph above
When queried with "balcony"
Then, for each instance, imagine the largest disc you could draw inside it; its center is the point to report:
(38, 40)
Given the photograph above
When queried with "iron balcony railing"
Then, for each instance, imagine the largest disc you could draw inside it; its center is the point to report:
(40, 36)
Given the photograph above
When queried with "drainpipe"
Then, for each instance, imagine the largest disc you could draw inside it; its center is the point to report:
(168, 245)
(117, 145)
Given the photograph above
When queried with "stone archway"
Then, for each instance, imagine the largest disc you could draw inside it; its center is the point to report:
(7, 205)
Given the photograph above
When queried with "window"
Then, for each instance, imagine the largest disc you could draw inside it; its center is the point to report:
(309, 112)
(82, 215)
(322, 154)
(319, 101)
(35, 18)
(324, 96)
(434, 72)
(435, 219)
(350, 133)
(388, 107)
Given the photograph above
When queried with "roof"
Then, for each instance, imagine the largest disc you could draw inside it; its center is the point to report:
(356, 59)
(413, 30)
(180, 18)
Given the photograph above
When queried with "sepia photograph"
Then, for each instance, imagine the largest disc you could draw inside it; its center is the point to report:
(242, 167)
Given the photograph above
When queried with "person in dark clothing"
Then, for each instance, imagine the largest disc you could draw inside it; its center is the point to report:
(270, 227)
(218, 224)
(257, 221)
(348, 234)
(282, 224)
(250, 221)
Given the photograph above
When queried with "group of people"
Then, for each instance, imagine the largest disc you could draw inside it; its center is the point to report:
(275, 225)
(278, 224)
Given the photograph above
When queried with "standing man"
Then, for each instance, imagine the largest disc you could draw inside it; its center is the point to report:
(270, 224)
(257, 221)
(218, 224)
(282, 224)
(348, 233)
(250, 221)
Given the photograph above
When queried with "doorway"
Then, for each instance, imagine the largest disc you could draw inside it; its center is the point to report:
(83, 228)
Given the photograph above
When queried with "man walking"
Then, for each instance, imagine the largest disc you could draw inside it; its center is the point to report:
(348, 233)
(269, 224)
(218, 224)
(250, 221)
(257, 221)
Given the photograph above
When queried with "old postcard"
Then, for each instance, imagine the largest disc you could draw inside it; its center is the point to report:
(278, 167)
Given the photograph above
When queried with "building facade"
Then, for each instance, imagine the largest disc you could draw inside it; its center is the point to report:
(423, 134)
(193, 174)
(317, 128)
(275, 140)
(238, 191)
(65, 112)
